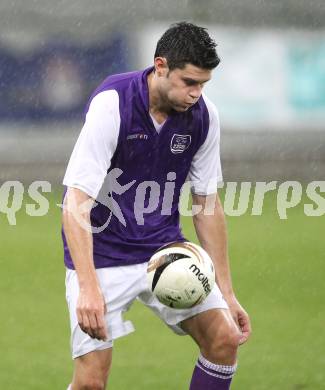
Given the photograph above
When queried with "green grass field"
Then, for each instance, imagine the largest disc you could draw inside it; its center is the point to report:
(278, 271)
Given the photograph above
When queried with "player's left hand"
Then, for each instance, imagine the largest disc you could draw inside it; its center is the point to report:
(241, 318)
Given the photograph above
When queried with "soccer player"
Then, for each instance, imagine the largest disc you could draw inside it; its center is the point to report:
(145, 134)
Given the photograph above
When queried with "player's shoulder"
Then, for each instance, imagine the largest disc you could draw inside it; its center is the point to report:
(117, 81)
(211, 108)
(109, 91)
(104, 101)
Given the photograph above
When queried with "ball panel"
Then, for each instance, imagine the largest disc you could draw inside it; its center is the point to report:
(168, 259)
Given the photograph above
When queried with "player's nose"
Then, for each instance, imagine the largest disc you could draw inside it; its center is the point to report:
(195, 93)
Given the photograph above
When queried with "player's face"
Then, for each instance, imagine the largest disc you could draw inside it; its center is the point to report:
(181, 88)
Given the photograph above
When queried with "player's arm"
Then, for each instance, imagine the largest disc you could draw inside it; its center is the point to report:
(205, 174)
(77, 229)
(212, 234)
(84, 177)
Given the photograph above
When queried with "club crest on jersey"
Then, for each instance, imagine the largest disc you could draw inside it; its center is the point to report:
(179, 143)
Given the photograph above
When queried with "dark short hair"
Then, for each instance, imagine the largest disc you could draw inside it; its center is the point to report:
(185, 43)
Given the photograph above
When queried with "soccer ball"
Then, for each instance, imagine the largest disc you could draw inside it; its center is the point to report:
(181, 275)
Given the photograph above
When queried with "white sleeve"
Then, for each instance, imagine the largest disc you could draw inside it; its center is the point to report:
(93, 151)
(205, 172)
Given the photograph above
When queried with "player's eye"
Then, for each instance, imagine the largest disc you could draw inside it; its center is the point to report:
(190, 82)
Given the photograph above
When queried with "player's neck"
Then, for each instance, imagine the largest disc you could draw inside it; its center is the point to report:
(157, 107)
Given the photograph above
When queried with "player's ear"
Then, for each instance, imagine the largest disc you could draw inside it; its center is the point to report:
(161, 67)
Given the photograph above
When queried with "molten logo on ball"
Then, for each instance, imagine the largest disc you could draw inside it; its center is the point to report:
(202, 278)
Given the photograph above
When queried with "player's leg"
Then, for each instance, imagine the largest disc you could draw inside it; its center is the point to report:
(91, 370)
(214, 330)
(217, 336)
(92, 357)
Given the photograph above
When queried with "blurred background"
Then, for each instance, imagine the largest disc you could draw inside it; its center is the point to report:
(269, 87)
(270, 91)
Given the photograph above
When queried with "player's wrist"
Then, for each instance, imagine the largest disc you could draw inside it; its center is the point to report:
(88, 283)
(229, 295)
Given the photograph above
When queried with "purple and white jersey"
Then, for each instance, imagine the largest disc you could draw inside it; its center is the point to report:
(120, 139)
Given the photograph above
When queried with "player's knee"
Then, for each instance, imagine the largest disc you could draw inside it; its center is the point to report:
(230, 339)
(91, 371)
(225, 344)
(92, 383)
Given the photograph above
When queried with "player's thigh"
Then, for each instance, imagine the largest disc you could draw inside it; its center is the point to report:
(92, 368)
(211, 327)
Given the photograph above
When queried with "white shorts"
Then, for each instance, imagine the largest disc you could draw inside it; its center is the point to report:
(120, 287)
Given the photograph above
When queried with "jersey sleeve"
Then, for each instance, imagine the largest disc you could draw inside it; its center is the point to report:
(205, 172)
(96, 144)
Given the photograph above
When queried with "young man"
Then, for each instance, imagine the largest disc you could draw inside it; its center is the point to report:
(142, 130)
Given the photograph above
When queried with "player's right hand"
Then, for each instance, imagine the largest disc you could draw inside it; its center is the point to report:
(91, 310)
